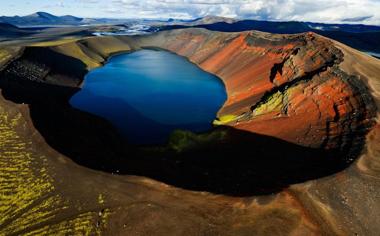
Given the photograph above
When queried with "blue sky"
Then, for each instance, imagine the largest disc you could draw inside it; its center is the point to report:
(329, 11)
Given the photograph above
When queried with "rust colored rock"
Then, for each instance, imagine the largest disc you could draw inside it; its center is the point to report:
(289, 87)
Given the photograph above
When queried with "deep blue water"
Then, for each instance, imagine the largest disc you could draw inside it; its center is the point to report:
(147, 94)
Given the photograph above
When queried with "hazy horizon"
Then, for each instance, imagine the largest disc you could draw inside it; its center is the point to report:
(322, 11)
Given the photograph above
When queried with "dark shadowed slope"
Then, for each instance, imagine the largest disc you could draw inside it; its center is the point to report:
(8, 30)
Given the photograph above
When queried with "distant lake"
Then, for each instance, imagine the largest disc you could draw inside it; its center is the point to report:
(374, 54)
(148, 94)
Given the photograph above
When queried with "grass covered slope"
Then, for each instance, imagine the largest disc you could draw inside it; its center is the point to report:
(296, 111)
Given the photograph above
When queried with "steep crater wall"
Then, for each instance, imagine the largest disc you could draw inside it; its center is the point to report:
(289, 87)
(284, 91)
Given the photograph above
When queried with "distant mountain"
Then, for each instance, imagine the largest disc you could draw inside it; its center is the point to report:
(269, 26)
(41, 18)
(344, 27)
(211, 20)
(7, 27)
(243, 25)
(281, 27)
(191, 22)
(8, 30)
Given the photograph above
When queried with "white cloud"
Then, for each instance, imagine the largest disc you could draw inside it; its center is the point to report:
(301, 10)
(329, 11)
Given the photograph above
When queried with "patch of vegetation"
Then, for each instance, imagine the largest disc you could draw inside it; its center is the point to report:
(73, 50)
(29, 202)
(182, 140)
(52, 43)
(225, 119)
(6, 54)
(274, 102)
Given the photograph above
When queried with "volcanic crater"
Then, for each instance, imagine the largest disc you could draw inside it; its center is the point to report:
(295, 112)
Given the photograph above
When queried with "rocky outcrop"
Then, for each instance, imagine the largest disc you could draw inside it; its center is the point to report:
(297, 111)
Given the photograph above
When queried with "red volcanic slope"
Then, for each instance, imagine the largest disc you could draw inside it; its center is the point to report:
(308, 99)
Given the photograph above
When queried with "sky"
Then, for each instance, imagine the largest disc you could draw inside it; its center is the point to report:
(327, 11)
